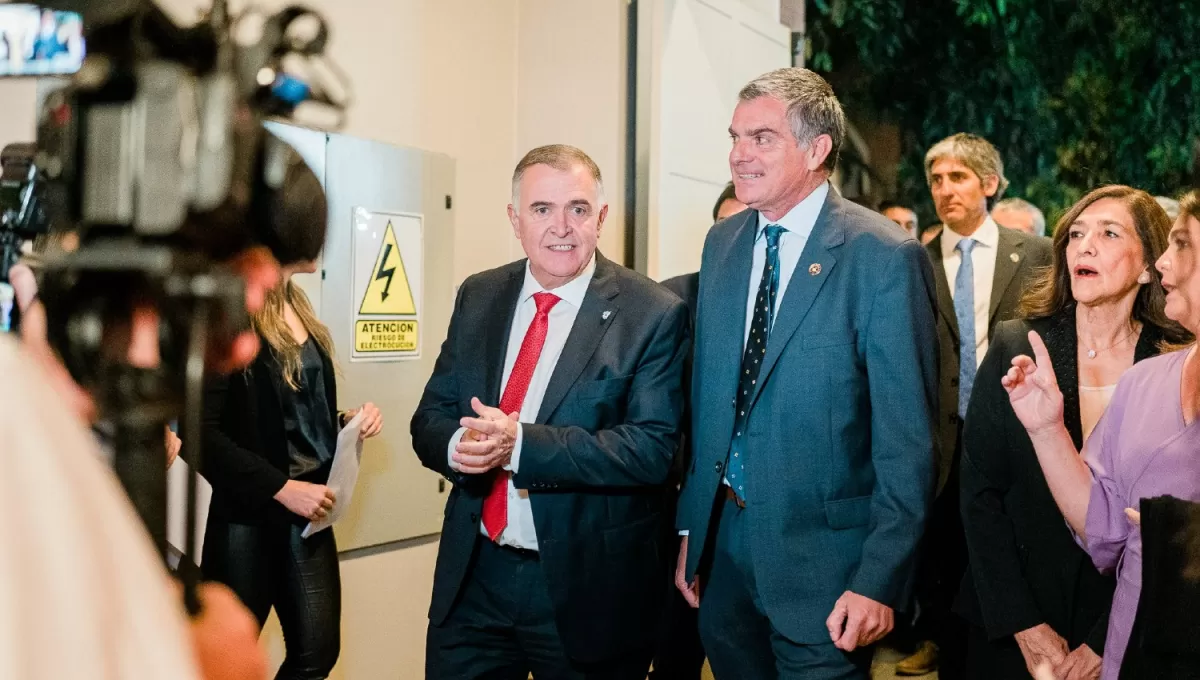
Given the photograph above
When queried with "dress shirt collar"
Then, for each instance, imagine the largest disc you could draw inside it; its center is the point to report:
(987, 235)
(801, 219)
(572, 292)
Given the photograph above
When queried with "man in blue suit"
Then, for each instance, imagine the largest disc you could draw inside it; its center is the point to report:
(814, 394)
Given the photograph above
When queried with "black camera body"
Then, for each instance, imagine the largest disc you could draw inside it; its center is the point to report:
(22, 213)
(155, 156)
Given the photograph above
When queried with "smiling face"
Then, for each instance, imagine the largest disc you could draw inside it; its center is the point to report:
(1179, 273)
(1104, 253)
(557, 215)
(771, 171)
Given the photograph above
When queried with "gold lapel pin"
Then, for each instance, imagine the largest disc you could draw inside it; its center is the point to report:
(1014, 257)
(814, 268)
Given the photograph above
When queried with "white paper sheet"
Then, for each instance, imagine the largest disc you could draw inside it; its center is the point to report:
(177, 476)
(342, 476)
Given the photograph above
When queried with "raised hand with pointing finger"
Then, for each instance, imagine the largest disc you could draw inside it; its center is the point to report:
(1033, 389)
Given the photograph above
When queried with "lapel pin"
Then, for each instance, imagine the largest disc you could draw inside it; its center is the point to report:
(605, 315)
(1015, 257)
(814, 268)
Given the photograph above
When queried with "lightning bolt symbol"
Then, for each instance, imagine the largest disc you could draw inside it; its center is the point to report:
(389, 272)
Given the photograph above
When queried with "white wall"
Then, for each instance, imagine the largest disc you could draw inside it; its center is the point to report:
(693, 58)
(482, 81)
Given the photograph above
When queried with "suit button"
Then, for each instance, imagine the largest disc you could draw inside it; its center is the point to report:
(954, 382)
(953, 418)
(719, 467)
(474, 516)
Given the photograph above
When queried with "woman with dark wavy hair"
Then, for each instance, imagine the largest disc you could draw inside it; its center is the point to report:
(1031, 593)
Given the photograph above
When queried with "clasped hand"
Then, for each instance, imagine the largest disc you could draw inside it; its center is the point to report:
(488, 442)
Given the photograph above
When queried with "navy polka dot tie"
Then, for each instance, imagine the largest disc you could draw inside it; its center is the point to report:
(756, 349)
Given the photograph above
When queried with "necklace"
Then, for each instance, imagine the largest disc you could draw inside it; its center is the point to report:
(1093, 353)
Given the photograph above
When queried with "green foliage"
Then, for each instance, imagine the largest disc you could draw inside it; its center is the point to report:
(1074, 93)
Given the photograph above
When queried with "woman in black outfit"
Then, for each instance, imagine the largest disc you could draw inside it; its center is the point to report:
(269, 439)
(1031, 594)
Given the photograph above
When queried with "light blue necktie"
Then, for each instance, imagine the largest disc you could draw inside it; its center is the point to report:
(964, 309)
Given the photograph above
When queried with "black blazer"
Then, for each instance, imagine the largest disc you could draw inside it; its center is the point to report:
(1025, 567)
(245, 446)
(1018, 257)
(595, 462)
(687, 287)
(1163, 644)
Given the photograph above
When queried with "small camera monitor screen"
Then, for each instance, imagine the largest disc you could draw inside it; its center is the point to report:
(39, 42)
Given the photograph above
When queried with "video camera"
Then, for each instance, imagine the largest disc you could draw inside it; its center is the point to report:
(156, 157)
(22, 219)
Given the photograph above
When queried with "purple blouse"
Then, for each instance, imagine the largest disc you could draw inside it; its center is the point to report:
(1140, 448)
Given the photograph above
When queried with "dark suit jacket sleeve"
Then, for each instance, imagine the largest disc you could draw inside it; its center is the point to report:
(438, 413)
(901, 356)
(1005, 600)
(639, 451)
(227, 465)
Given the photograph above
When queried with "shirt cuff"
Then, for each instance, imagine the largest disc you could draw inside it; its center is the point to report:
(454, 440)
(683, 532)
(514, 461)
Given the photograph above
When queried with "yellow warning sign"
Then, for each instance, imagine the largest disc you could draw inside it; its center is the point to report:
(388, 291)
(385, 336)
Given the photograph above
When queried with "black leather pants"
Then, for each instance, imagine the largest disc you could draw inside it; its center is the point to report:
(271, 566)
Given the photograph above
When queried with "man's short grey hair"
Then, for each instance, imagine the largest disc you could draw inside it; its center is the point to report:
(976, 153)
(1170, 205)
(562, 157)
(1021, 205)
(812, 108)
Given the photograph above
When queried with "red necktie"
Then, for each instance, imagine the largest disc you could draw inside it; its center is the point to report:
(495, 506)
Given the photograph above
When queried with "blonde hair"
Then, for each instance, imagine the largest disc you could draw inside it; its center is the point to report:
(271, 324)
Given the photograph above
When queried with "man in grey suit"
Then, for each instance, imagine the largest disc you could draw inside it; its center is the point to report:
(981, 271)
(813, 396)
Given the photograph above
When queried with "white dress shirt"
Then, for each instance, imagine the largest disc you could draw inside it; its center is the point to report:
(983, 259)
(798, 224)
(519, 532)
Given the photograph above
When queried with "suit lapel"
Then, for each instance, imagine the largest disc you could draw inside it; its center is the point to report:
(1009, 252)
(495, 335)
(721, 327)
(595, 316)
(1063, 345)
(807, 280)
(945, 298)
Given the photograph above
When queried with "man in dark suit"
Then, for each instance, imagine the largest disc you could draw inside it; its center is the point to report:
(680, 655)
(813, 400)
(981, 271)
(554, 408)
